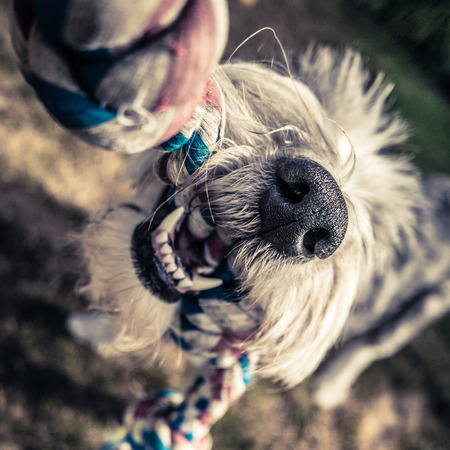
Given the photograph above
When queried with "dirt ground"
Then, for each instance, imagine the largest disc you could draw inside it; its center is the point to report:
(56, 394)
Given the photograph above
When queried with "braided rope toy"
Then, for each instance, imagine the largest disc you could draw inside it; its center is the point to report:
(122, 78)
(128, 79)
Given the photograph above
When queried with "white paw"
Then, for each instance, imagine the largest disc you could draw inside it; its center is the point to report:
(91, 328)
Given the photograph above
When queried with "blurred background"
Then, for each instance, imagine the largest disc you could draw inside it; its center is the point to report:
(56, 394)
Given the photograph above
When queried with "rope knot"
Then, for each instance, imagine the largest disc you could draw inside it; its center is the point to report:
(168, 420)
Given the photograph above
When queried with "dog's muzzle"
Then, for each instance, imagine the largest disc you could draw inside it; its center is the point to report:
(303, 213)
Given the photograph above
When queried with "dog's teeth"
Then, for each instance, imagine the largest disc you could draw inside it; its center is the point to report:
(170, 222)
(197, 283)
(203, 283)
(179, 274)
(168, 259)
(171, 268)
(185, 285)
(166, 249)
(162, 237)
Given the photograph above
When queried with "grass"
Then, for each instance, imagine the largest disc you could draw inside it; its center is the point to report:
(56, 394)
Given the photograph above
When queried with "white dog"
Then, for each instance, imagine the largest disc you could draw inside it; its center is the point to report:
(331, 234)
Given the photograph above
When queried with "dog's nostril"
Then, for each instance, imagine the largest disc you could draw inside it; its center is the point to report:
(315, 240)
(295, 191)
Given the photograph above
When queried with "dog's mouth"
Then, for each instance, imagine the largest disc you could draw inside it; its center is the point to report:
(170, 261)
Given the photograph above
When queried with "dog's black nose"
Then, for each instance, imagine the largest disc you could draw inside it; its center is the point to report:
(303, 213)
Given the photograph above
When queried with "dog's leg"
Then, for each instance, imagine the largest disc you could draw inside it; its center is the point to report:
(334, 380)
